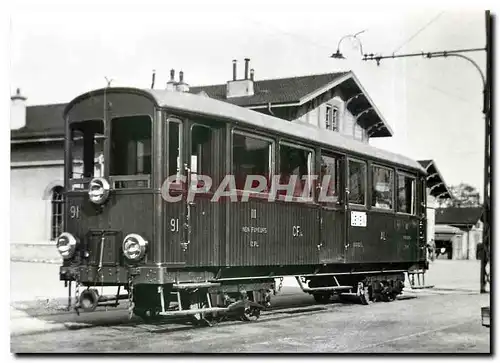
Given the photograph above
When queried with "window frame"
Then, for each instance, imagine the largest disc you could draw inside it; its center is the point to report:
(114, 179)
(193, 124)
(271, 161)
(310, 168)
(55, 231)
(339, 159)
(393, 184)
(414, 193)
(331, 122)
(82, 183)
(166, 153)
(348, 182)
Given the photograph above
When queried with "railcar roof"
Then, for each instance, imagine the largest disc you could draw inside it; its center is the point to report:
(208, 106)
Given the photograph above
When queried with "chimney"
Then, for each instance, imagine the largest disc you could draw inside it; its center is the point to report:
(182, 86)
(251, 74)
(17, 111)
(246, 67)
(240, 87)
(171, 84)
(234, 69)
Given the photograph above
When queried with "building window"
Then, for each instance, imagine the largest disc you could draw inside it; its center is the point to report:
(331, 122)
(56, 222)
(357, 182)
(406, 194)
(382, 188)
(358, 132)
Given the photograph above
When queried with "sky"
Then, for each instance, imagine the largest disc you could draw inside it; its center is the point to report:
(434, 106)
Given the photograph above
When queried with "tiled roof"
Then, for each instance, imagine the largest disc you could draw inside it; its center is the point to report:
(42, 121)
(458, 216)
(274, 91)
(47, 121)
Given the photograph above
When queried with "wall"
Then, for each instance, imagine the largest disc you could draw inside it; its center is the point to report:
(431, 216)
(30, 202)
(35, 170)
(314, 113)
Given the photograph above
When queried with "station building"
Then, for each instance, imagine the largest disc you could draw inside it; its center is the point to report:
(459, 233)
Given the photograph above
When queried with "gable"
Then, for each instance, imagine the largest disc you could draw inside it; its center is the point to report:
(298, 91)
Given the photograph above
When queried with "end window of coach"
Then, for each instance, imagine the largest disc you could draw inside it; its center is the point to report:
(131, 150)
(406, 194)
(87, 146)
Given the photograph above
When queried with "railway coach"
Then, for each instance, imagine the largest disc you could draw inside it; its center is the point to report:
(351, 224)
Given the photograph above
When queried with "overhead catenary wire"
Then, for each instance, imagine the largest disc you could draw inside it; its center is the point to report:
(418, 32)
(310, 42)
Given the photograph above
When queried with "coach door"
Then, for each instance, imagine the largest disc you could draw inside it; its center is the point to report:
(357, 247)
(204, 171)
(331, 198)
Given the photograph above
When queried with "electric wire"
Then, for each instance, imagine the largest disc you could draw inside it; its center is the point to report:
(419, 31)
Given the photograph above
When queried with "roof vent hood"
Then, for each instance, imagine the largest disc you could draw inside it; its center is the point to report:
(180, 86)
(240, 87)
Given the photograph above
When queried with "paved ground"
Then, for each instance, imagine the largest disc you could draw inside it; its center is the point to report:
(431, 322)
(443, 319)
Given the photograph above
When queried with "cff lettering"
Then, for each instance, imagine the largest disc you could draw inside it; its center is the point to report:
(297, 231)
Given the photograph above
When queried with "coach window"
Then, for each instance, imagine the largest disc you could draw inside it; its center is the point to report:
(382, 187)
(252, 155)
(201, 151)
(296, 162)
(174, 147)
(87, 145)
(131, 151)
(329, 179)
(406, 194)
(357, 182)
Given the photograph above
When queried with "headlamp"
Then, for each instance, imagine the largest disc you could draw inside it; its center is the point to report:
(134, 246)
(66, 245)
(98, 190)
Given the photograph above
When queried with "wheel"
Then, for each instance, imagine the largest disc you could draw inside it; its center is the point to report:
(390, 296)
(322, 298)
(147, 315)
(250, 314)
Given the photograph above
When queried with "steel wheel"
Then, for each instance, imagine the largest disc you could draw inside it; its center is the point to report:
(147, 315)
(322, 298)
(250, 314)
